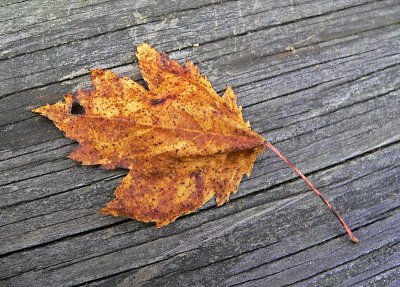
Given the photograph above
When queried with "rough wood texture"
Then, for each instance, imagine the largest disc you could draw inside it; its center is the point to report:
(332, 106)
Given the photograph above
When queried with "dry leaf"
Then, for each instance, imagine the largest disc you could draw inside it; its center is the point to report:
(181, 141)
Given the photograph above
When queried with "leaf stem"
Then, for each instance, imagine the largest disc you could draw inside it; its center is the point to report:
(317, 192)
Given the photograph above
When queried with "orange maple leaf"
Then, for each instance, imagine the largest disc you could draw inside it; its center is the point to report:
(181, 141)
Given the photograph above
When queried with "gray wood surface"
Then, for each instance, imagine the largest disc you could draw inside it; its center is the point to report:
(319, 79)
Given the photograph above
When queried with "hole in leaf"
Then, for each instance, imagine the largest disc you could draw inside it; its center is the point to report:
(77, 109)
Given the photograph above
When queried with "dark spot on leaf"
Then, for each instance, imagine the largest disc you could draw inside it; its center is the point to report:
(77, 109)
(157, 101)
(199, 184)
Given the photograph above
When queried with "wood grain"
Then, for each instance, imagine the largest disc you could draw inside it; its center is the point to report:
(332, 106)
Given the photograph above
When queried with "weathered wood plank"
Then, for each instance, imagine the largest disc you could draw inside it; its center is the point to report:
(55, 21)
(72, 59)
(266, 67)
(332, 106)
(284, 270)
(242, 227)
